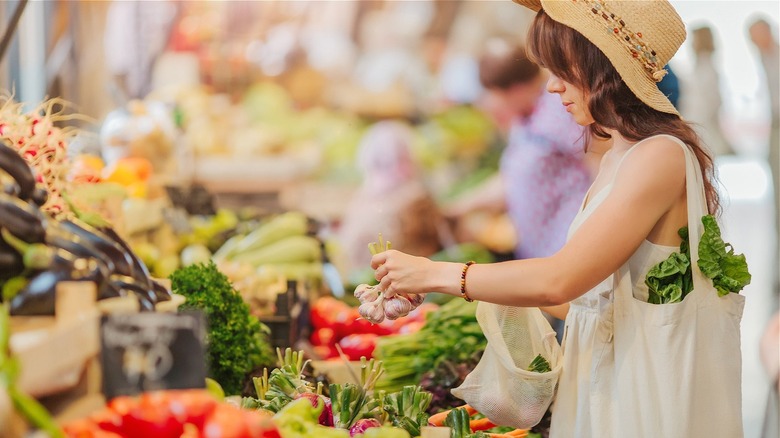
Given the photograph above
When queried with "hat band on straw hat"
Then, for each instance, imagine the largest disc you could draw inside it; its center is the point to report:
(631, 40)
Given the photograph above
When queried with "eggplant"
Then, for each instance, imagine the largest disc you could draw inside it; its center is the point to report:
(13, 164)
(23, 220)
(79, 247)
(146, 297)
(11, 263)
(104, 245)
(161, 292)
(38, 296)
(141, 271)
(11, 189)
(39, 196)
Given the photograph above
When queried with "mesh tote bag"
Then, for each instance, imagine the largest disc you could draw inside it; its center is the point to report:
(501, 387)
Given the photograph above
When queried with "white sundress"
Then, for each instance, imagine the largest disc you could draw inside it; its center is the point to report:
(591, 397)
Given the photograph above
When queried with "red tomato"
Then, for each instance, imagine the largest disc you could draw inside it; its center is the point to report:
(324, 311)
(152, 417)
(226, 422)
(122, 405)
(107, 420)
(325, 352)
(192, 406)
(260, 425)
(355, 346)
(323, 336)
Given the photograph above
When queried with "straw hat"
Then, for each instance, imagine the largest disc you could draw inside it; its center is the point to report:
(638, 36)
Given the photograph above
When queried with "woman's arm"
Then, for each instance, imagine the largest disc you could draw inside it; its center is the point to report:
(649, 183)
(559, 312)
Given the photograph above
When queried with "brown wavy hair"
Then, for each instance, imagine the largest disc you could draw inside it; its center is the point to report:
(573, 58)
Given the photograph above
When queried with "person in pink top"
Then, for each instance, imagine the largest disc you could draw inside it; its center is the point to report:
(544, 170)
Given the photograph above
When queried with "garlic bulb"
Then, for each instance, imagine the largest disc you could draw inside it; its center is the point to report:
(397, 307)
(373, 312)
(360, 290)
(415, 299)
(370, 295)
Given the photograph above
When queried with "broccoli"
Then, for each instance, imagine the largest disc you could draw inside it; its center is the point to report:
(236, 341)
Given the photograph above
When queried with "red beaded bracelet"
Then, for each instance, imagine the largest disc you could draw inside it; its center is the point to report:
(463, 281)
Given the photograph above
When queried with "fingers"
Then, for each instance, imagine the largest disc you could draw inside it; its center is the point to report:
(379, 259)
(380, 272)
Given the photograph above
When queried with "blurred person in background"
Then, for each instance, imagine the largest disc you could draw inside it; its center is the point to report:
(702, 100)
(136, 34)
(544, 171)
(768, 49)
(392, 199)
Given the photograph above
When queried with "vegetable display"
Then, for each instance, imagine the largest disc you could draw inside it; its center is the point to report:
(336, 323)
(376, 304)
(352, 408)
(237, 342)
(450, 335)
(38, 251)
(671, 279)
(173, 414)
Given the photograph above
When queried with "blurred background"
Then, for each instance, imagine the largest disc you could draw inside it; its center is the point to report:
(330, 107)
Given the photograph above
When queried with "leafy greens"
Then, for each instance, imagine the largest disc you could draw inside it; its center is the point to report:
(671, 280)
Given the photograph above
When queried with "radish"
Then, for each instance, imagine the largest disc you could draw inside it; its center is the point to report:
(326, 416)
(362, 425)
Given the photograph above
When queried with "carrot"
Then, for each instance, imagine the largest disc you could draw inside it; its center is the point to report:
(481, 424)
(517, 433)
(438, 419)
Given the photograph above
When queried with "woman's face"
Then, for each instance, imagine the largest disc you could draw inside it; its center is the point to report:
(573, 98)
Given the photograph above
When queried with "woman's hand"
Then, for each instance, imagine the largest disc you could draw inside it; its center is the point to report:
(398, 272)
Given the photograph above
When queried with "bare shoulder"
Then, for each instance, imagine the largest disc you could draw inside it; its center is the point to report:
(659, 157)
(655, 170)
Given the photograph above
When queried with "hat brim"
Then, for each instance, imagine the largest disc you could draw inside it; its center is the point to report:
(533, 5)
(633, 73)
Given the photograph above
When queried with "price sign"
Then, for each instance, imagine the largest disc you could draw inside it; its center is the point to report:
(152, 351)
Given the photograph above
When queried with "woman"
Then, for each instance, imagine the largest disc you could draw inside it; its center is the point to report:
(631, 368)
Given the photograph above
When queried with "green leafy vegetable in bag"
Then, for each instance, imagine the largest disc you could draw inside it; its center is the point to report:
(671, 280)
(728, 271)
(539, 365)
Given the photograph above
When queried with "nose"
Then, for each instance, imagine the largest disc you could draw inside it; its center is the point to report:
(555, 84)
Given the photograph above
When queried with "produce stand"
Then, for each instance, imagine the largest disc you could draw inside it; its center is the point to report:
(276, 160)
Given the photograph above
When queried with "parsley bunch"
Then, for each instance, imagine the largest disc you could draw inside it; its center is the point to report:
(237, 342)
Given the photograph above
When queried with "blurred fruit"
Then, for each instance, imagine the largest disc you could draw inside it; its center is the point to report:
(166, 265)
(148, 253)
(195, 253)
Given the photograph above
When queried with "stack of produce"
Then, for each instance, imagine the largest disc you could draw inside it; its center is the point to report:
(35, 137)
(237, 342)
(335, 322)
(38, 251)
(438, 356)
(466, 422)
(350, 409)
(277, 249)
(173, 414)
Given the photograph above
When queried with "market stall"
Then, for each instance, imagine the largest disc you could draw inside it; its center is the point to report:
(174, 261)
